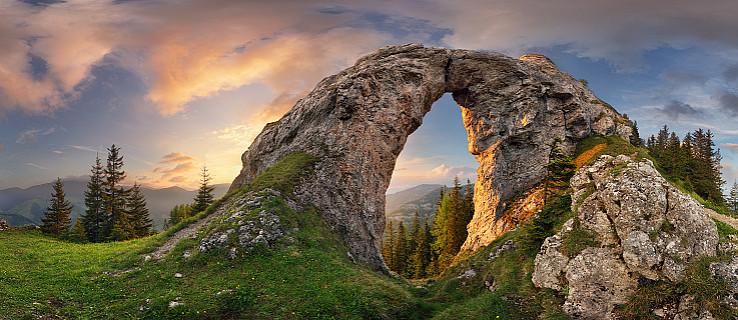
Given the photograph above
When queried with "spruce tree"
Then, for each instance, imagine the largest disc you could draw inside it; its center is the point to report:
(456, 221)
(400, 248)
(179, 213)
(635, 137)
(388, 246)
(77, 233)
(117, 226)
(94, 219)
(440, 229)
(57, 218)
(138, 213)
(204, 196)
(421, 255)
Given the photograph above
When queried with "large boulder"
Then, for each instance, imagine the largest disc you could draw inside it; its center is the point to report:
(630, 225)
(357, 122)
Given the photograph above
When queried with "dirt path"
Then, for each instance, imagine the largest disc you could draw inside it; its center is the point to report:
(723, 218)
(188, 231)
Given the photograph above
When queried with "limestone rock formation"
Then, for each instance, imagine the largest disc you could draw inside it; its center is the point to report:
(357, 122)
(635, 226)
(250, 222)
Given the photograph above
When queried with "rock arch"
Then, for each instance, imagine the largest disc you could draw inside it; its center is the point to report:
(358, 121)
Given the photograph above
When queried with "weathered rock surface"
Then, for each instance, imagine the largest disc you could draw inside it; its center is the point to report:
(4, 225)
(358, 121)
(728, 271)
(642, 227)
(250, 222)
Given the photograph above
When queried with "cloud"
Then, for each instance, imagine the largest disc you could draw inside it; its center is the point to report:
(59, 152)
(175, 168)
(241, 135)
(185, 51)
(441, 170)
(730, 146)
(618, 31)
(176, 157)
(83, 148)
(731, 73)
(674, 109)
(2, 148)
(31, 135)
(728, 102)
(37, 166)
(192, 49)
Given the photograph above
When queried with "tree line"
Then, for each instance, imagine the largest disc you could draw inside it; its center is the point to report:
(693, 161)
(426, 249)
(113, 212)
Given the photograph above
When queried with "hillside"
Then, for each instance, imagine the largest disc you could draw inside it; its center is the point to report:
(421, 199)
(304, 275)
(284, 262)
(26, 206)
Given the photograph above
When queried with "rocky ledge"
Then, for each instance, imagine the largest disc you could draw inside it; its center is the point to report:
(630, 225)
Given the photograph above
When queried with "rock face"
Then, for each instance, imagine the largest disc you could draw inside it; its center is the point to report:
(358, 121)
(635, 226)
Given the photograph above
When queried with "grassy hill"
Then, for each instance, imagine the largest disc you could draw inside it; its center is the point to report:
(306, 275)
(310, 277)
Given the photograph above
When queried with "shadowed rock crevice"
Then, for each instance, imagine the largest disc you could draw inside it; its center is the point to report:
(357, 122)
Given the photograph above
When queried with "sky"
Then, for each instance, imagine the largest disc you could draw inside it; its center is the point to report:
(182, 84)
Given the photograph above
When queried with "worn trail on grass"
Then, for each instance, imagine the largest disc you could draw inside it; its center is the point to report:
(188, 231)
(733, 222)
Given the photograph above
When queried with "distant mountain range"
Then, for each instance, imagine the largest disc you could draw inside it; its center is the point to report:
(402, 205)
(26, 206)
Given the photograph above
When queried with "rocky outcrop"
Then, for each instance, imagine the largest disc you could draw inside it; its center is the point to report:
(357, 122)
(4, 225)
(251, 221)
(632, 225)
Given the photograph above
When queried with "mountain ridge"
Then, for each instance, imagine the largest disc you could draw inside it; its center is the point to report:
(21, 206)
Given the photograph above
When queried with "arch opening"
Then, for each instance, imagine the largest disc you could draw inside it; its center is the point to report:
(434, 157)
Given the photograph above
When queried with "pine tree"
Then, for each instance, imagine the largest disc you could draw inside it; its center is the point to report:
(204, 196)
(117, 225)
(421, 256)
(400, 248)
(388, 246)
(456, 221)
(138, 213)
(57, 218)
(635, 137)
(179, 213)
(94, 219)
(77, 233)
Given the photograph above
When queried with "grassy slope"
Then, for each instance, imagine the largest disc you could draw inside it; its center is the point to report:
(517, 298)
(311, 278)
(308, 278)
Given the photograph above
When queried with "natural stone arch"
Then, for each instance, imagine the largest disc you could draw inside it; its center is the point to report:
(357, 122)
